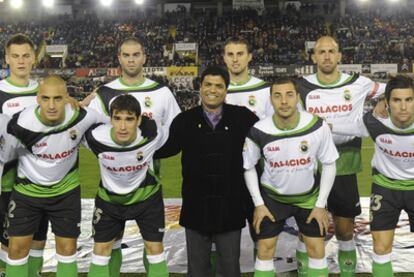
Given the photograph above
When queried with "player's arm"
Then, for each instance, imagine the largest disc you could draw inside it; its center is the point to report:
(87, 100)
(356, 129)
(251, 155)
(376, 90)
(172, 146)
(327, 155)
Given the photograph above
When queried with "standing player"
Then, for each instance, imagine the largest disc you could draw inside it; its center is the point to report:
(47, 138)
(16, 93)
(291, 143)
(392, 167)
(157, 102)
(245, 90)
(338, 97)
(129, 189)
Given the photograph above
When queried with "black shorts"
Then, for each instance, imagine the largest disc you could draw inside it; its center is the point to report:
(344, 197)
(386, 205)
(40, 235)
(109, 219)
(281, 212)
(64, 212)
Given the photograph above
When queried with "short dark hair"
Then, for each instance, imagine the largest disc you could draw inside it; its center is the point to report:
(216, 70)
(238, 40)
(283, 81)
(399, 81)
(131, 40)
(125, 102)
(19, 39)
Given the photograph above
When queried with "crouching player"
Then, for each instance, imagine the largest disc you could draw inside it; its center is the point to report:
(392, 167)
(129, 189)
(291, 143)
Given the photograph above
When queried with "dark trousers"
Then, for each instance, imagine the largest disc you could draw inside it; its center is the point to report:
(199, 251)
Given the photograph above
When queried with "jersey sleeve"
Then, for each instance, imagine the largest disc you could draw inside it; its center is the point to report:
(251, 153)
(327, 152)
(171, 111)
(356, 129)
(97, 105)
(373, 89)
(97, 117)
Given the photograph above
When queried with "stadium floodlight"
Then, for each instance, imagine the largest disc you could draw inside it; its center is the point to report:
(139, 2)
(48, 3)
(16, 4)
(106, 3)
(363, 1)
(394, 1)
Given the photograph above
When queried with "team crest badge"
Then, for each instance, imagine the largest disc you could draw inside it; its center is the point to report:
(252, 100)
(304, 147)
(348, 262)
(347, 95)
(140, 156)
(2, 142)
(148, 102)
(72, 134)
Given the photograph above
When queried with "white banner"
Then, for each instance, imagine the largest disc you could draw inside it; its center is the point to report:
(254, 4)
(174, 241)
(185, 46)
(155, 71)
(389, 68)
(56, 48)
(348, 68)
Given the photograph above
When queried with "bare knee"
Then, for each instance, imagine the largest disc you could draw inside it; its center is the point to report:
(344, 228)
(19, 247)
(153, 247)
(65, 246)
(103, 249)
(266, 249)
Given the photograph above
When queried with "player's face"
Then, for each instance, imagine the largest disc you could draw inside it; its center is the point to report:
(213, 91)
(284, 100)
(132, 59)
(326, 56)
(236, 57)
(125, 126)
(401, 105)
(52, 99)
(20, 58)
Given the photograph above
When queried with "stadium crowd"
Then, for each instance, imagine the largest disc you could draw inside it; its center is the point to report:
(276, 38)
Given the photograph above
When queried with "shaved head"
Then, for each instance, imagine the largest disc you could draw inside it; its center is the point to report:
(326, 40)
(55, 81)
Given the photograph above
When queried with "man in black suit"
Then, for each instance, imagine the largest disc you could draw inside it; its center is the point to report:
(215, 198)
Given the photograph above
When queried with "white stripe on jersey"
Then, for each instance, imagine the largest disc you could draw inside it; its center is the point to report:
(343, 104)
(290, 161)
(123, 172)
(54, 155)
(158, 104)
(258, 101)
(16, 104)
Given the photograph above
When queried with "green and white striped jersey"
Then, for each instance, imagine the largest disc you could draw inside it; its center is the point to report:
(126, 175)
(290, 157)
(342, 102)
(393, 160)
(13, 99)
(254, 95)
(48, 155)
(157, 101)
